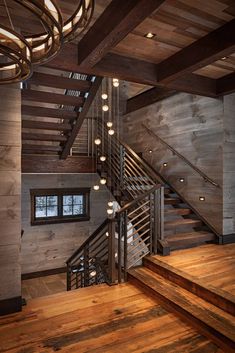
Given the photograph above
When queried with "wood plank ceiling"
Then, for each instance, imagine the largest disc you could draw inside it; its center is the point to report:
(193, 50)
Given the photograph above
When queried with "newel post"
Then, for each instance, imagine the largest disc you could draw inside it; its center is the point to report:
(111, 251)
(158, 217)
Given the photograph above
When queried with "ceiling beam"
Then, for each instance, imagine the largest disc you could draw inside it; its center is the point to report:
(206, 50)
(133, 70)
(148, 97)
(48, 112)
(54, 98)
(44, 125)
(47, 80)
(82, 115)
(226, 84)
(117, 20)
(28, 136)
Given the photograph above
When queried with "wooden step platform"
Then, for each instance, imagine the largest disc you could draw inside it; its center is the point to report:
(171, 201)
(181, 222)
(215, 296)
(178, 211)
(209, 319)
(100, 319)
(189, 239)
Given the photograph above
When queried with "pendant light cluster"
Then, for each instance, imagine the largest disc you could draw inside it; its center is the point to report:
(18, 53)
(108, 99)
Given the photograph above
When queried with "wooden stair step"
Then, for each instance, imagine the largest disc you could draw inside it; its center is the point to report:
(182, 222)
(178, 211)
(216, 296)
(207, 318)
(171, 201)
(189, 239)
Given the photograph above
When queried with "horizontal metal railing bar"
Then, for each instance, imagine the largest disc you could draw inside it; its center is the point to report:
(136, 224)
(139, 229)
(102, 244)
(137, 167)
(131, 249)
(139, 236)
(139, 198)
(203, 175)
(137, 253)
(134, 211)
(92, 236)
(140, 214)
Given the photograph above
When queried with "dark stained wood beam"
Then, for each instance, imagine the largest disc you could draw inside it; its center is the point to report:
(54, 98)
(44, 125)
(82, 115)
(50, 148)
(133, 70)
(48, 112)
(148, 97)
(53, 164)
(42, 79)
(117, 20)
(226, 84)
(42, 137)
(206, 50)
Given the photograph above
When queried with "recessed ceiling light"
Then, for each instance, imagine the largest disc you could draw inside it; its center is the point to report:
(150, 35)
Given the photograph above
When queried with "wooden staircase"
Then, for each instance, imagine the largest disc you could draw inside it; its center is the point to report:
(211, 312)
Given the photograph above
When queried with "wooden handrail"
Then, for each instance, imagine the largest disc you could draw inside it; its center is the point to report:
(91, 237)
(137, 199)
(203, 175)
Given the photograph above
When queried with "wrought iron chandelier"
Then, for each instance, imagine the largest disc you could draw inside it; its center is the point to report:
(19, 53)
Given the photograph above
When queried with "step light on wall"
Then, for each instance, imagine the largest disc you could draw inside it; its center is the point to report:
(150, 35)
(165, 164)
(202, 198)
(150, 151)
(181, 180)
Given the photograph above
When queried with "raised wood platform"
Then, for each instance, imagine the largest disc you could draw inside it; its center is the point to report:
(99, 319)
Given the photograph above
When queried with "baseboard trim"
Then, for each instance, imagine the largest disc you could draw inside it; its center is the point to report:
(10, 305)
(228, 239)
(37, 274)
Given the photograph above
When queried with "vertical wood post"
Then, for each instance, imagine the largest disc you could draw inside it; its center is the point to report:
(68, 277)
(158, 217)
(125, 245)
(122, 166)
(111, 251)
(120, 234)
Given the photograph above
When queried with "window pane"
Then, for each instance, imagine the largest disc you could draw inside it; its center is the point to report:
(40, 201)
(67, 200)
(40, 212)
(52, 211)
(52, 201)
(67, 210)
(78, 199)
(77, 209)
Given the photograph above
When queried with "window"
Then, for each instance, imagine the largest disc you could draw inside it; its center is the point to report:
(59, 205)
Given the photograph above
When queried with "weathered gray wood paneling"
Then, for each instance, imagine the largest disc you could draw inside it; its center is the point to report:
(229, 165)
(48, 246)
(10, 190)
(193, 125)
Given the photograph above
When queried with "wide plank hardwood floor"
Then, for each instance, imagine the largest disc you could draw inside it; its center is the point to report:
(99, 319)
(212, 264)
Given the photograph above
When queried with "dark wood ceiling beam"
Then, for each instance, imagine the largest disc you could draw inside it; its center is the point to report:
(54, 98)
(82, 115)
(206, 50)
(117, 20)
(148, 97)
(226, 84)
(47, 80)
(133, 70)
(43, 125)
(48, 112)
(27, 136)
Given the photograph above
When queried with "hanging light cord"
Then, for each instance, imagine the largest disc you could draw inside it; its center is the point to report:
(8, 14)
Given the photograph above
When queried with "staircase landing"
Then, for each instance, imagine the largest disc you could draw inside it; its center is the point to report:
(100, 319)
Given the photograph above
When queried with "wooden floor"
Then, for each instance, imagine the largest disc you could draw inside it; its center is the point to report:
(212, 264)
(99, 319)
(43, 286)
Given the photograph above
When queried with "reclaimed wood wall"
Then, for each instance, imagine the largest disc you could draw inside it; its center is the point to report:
(47, 247)
(193, 125)
(229, 165)
(10, 190)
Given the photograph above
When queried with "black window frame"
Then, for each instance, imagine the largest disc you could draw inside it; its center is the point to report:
(60, 218)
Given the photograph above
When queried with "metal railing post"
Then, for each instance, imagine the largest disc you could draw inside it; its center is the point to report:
(86, 266)
(120, 234)
(68, 277)
(111, 252)
(125, 245)
(158, 217)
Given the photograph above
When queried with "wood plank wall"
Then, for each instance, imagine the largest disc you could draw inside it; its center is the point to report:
(47, 247)
(193, 125)
(10, 190)
(229, 165)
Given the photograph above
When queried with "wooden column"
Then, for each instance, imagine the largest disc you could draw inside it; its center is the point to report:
(10, 205)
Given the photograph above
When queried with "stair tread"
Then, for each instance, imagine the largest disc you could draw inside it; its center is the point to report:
(215, 318)
(178, 211)
(172, 200)
(191, 282)
(190, 235)
(182, 222)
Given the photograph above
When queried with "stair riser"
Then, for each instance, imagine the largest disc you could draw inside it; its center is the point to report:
(193, 287)
(224, 342)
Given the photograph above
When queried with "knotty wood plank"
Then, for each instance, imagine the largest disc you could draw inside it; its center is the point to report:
(43, 137)
(106, 33)
(44, 125)
(48, 112)
(55, 98)
(42, 79)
